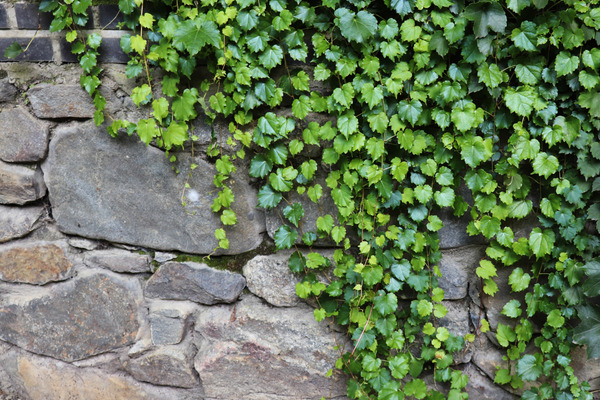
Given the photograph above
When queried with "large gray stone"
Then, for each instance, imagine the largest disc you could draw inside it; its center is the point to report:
(458, 270)
(19, 184)
(454, 232)
(122, 191)
(36, 378)
(60, 101)
(16, 222)
(195, 282)
(93, 314)
(270, 278)
(168, 320)
(480, 387)
(118, 260)
(253, 351)
(165, 366)
(34, 262)
(22, 137)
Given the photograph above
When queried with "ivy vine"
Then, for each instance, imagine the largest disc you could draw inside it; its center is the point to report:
(407, 104)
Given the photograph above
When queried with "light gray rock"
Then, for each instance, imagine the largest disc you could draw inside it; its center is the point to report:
(270, 278)
(162, 257)
(36, 378)
(165, 366)
(118, 260)
(19, 184)
(93, 314)
(120, 190)
(195, 282)
(586, 369)
(84, 244)
(458, 270)
(487, 357)
(454, 232)
(60, 101)
(34, 262)
(480, 387)
(16, 222)
(253, 351)
(168, 320)
(23, 138)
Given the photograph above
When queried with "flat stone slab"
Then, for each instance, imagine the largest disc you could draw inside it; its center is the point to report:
(195, 282)
(458, 270)
(23, 138)
(35, 263)
(122, 191)
(60, 101)
(38, 378)
(90, 315)
(251, 350)
(165, 366)
(19, 184)
(118, 260)
(16, 222)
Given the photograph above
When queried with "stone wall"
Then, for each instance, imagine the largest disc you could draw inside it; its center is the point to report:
(105, 290)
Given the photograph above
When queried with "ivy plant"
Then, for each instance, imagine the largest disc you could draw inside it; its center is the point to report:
(410, 108)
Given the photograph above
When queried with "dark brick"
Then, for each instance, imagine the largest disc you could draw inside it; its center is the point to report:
(111, 52)
(29, 17)
(39, 50)
(3, 17)
(109, 16)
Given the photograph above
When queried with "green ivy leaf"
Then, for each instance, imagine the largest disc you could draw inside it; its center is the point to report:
(475, 150)
(545, 165)
(521, 100)
(565, 63)
(268, 198)
(505, 335)
(588, 331)
(518, 280)
(385, 303)
(512, 309)
(294, 213)
(13, 50)
(192, 35)
(541, 242)
(529, 368)
(357, 27)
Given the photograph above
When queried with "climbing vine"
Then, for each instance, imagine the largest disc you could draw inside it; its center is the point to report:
(407, 108)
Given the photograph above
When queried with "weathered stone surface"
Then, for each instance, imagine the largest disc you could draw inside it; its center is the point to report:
(584, 369)
(34, 262)
(60, 101)
(92, 314)
(118, 260)
(487, 357)
(312, 211)
(168, 321)
(7, 91)
(458, 270)
(162, 257)
(22, 137)
(18, 221)
(480, 387)
(19, 184)
(36, 378)
(270, 278)
(166, 366)
(137, 197)
(195, 282)
(253, 351)
(84, 244)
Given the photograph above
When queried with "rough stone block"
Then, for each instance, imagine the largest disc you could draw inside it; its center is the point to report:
(60, 101)
(195, 282)
(165, 366)
(458, 270)
(168, 320)
(80, 318)
(19, 184)
(23, 138)
(253, 351)
(29, 16)
(118, 260)
(34, 262)
(481, 387)
(16, 222)
(270, 278)
(39, 50)
(37, 378)
(8, 91)
(137, 198)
